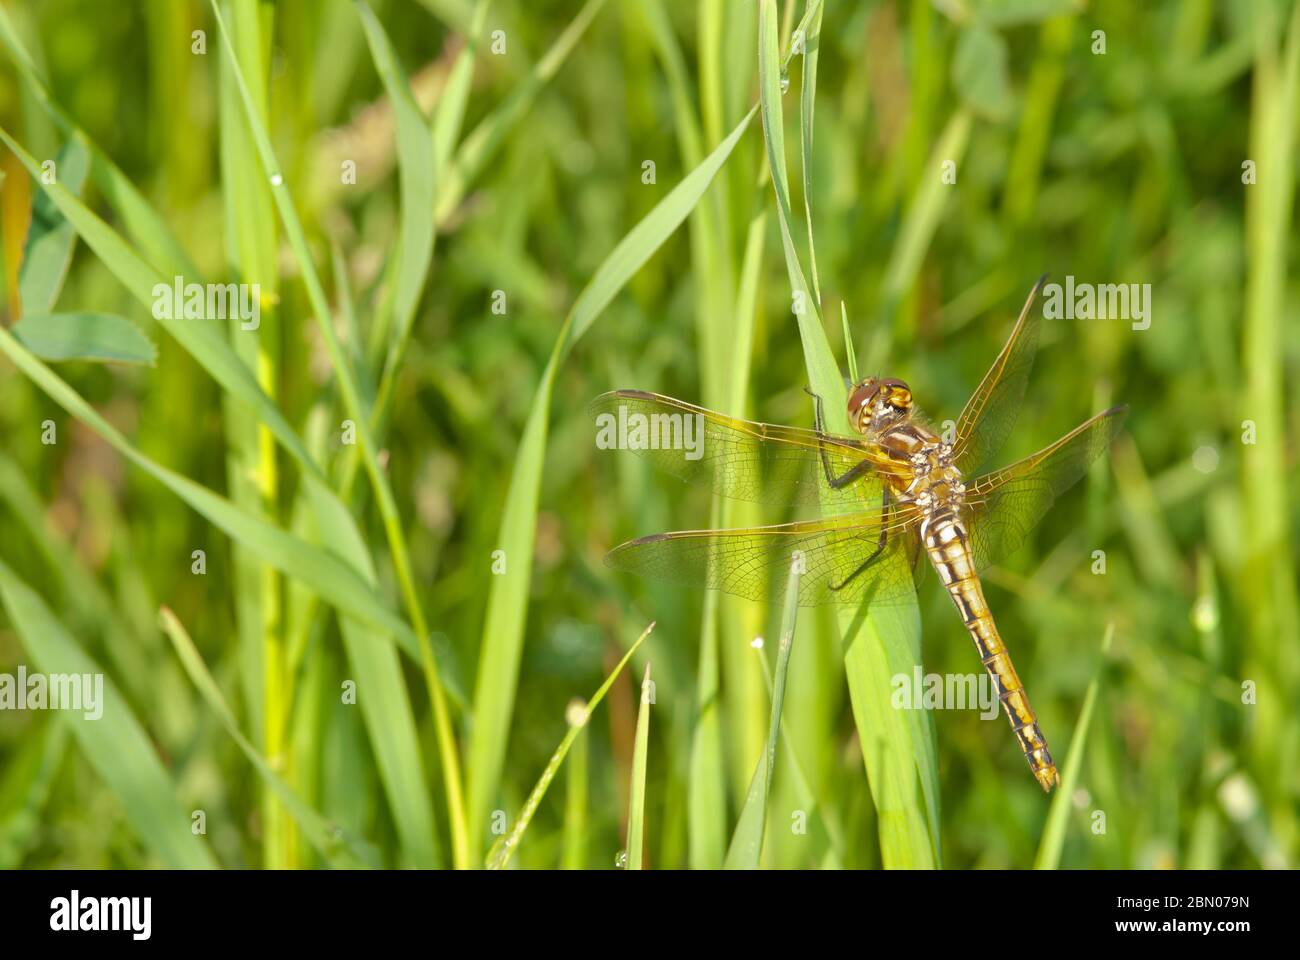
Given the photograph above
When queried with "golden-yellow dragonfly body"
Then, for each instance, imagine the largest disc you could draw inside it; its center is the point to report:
(895, 490)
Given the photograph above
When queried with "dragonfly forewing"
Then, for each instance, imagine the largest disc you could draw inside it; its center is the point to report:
(1004, 506)
(740, 459)
(990, 413)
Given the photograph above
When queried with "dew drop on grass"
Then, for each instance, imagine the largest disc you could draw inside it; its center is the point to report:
(276, 179)
(1205, 614)
(785, 83)
(576, 712)
(620, 860)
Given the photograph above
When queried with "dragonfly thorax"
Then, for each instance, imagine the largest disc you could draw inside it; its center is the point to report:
(931, 481)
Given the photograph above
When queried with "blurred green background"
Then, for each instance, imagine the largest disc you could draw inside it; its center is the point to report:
(1110, 141)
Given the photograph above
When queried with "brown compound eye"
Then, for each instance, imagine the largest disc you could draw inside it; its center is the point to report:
(897, 394)
(861, 397)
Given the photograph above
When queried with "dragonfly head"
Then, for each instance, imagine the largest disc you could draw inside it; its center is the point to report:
(876, 403)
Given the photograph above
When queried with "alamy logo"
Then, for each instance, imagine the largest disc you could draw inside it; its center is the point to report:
(656, 431)
(1090, 301)
(213, 301)
(944, 691)
(53, 691)
(74, 913)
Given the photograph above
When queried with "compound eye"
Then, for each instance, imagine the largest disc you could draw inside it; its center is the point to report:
(898, 394)
(861, 396)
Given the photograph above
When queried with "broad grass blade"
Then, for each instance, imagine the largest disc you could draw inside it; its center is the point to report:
(115, 744)
(50, 239)
(101, 337)
(747, 842)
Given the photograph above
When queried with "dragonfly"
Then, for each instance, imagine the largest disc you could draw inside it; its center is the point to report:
(895, 491)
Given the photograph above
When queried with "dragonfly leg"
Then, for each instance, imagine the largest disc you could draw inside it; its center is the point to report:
(880, 545)
(854, 472)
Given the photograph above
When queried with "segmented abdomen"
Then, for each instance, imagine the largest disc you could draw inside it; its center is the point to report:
(948, 545)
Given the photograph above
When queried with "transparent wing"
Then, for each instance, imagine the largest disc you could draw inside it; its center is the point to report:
(865, 557)
(741, 459)
(990, 413)
(1004, 506)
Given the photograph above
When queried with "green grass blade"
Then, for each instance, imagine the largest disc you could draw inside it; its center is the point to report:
(251, 242)
(251, 470)
(385, 708)
(644, 239)
(503, 631)
(449, 114)
(50, 239)
(919, 225)
(706, 793)
(1058, 817)
(818, 812)
(115, 744)
(636, 795)
(807, 96)
(706, 786)
(9, 231)
(922, 216)
(577, 798)
(751, 266)
(418, 168)
(484, 140)
(330, 577)
(328, 839)
(896, 744)
(504, 848)
(878, 642)
(1266, 477)
(823, 371)
(416, 174)
(747, 842)
(850, 356)
(343, 296)
(84, 336)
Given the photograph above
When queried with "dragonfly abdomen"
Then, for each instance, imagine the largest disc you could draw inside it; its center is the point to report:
(947, 543)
